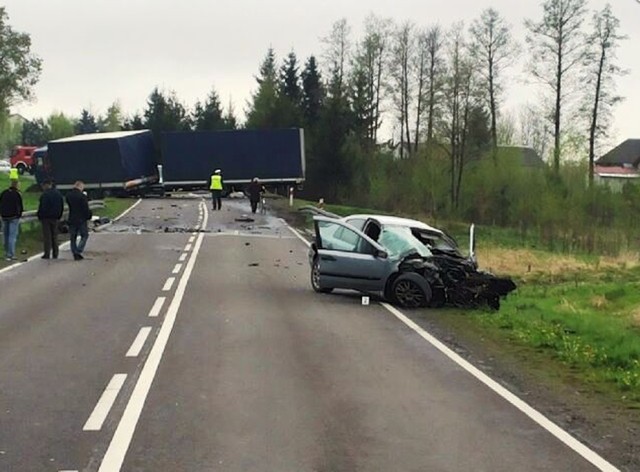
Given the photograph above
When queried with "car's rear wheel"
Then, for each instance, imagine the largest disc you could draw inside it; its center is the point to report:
(409, 292)
(315, 278)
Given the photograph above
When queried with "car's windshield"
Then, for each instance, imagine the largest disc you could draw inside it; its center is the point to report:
(440, 242)
(399, 241)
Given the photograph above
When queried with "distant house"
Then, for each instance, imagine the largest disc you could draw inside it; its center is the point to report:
(16, 118)
(619, 165)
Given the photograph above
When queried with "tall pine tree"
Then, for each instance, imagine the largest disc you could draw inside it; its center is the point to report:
(263, 106)
(209, 117)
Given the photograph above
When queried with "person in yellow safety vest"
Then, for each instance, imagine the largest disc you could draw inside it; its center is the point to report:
(217, 184)
(13, 173)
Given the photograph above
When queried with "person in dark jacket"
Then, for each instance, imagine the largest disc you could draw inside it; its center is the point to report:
(79, 214)
(11, 211)
(255, 192)
(49, 213)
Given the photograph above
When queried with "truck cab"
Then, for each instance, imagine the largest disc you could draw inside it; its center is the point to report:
(22, 159)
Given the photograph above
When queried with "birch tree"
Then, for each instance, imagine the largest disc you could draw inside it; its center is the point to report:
(401, 80)
(492, 49)
(600, 76)
(557, 46)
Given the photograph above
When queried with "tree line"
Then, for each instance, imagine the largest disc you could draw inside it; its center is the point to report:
(410, 117)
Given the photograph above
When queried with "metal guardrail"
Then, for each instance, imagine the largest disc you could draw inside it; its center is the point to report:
(318, 211)
(31, 216)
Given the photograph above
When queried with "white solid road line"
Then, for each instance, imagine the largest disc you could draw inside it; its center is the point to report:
(138, 343)
(157, 306)
(100, 412)
(168, 284)
(183, 257)
(296, 232)
(587, 453)
(177, 269)
(187, 248)
(117, 450)
(121, 215)
(531, 412)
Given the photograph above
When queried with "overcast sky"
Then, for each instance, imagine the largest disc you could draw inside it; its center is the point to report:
(98, 51)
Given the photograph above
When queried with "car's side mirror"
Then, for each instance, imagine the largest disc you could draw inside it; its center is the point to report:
(381, 254)
(314, 246)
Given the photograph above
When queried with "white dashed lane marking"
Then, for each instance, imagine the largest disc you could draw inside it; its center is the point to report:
(100, 412)
(168, 284)
(157, 307)
(138, 343)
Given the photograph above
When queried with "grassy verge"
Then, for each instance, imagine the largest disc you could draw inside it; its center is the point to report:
(30, 238)
(576, 316)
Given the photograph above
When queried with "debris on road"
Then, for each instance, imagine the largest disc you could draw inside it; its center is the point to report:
(254, 264)
(245, 219)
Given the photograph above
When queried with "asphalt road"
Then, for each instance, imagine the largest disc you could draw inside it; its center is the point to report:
(172, 349)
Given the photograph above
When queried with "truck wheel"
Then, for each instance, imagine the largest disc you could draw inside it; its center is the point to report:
(411, 291)
(315, 279)
(21, 169)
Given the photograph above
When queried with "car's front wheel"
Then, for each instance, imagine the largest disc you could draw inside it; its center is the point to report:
(410, 291)
(315, 278)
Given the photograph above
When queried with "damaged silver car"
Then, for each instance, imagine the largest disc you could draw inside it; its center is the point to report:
(410, 263)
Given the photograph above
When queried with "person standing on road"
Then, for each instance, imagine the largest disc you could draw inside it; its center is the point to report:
(216, 187)
(49, 213)
(11, 211)
(255, 192)
(79, 214)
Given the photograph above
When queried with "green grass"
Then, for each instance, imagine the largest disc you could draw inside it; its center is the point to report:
(30, 238)
(591, 326)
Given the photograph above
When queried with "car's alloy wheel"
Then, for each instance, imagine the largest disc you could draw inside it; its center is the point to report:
(409, 294)
(315, 278)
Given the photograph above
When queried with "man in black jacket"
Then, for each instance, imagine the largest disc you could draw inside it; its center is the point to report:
(255, 191)
(79, 214)
(10, 212)
(49, 213)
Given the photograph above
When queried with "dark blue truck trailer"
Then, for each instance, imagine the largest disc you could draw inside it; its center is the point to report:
(276, 157)
(127, 162)
(108, 163)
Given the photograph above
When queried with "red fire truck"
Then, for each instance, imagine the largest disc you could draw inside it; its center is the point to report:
(22, 159)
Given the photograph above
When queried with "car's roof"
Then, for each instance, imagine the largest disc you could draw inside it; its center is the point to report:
(397, 221)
